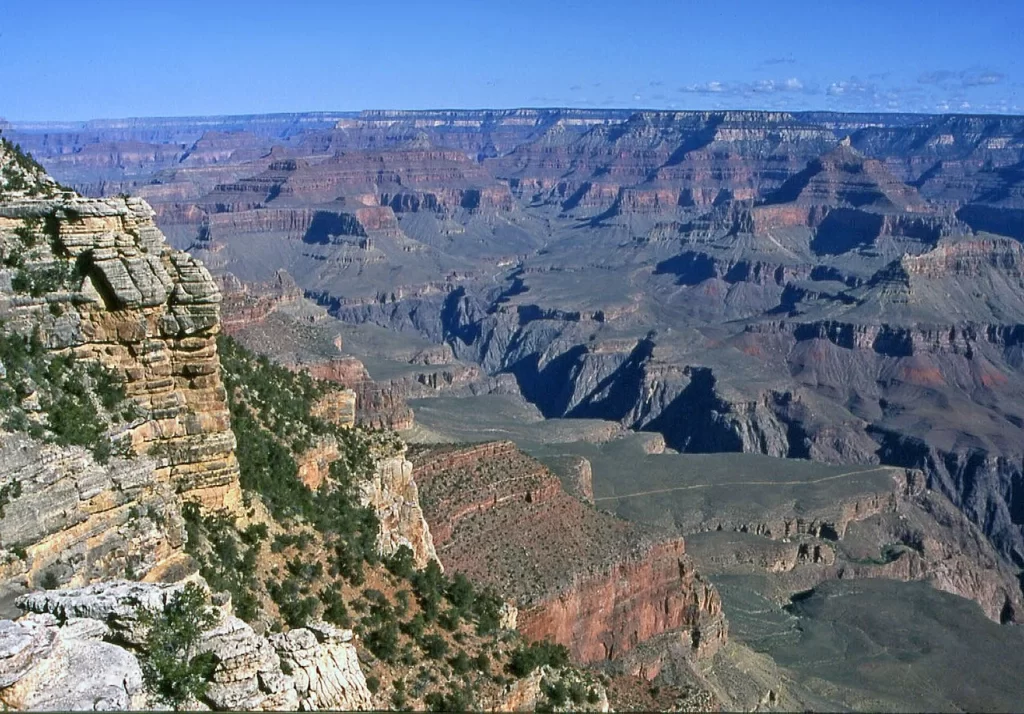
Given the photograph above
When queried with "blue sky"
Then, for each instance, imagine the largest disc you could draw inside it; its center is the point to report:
(93, 58)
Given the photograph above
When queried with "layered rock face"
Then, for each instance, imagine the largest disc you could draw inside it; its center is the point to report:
(589, 581)
(659, 162)
(377, 406)
(150, 314)
(79, 521)
(248, 304)
(272, 317)
(601, 617)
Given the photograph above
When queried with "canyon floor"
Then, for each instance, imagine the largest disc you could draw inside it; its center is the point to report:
(823, 622)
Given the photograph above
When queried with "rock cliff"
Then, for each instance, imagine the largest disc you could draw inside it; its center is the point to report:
(394, 496)
(587, 580)
(93, 283)
(148, 313)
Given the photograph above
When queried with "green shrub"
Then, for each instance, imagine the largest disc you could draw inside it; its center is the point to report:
(224, 559)
(295, 609)
(556, 692)
(482, 662)
(577, 692)
(455, 700)
(255, 534)
(435, 646)
(402, 562)
(527, 658)
(449, 620)
(429, 586)
(460, 663)
(460, 592)
(414, 627)
(398, 696)
(335, 611)
(173, 670)
(382, 640)
(8, 492)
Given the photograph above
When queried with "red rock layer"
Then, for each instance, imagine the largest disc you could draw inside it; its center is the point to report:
(583, 578)
(608, 614)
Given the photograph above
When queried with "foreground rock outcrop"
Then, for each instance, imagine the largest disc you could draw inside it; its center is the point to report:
(79, 649)
(46, 665)
(79, 521)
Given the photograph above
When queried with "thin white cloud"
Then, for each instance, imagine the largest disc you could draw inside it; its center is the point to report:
(963, 79)
(761, 86)
(712, 87)
(847, 87)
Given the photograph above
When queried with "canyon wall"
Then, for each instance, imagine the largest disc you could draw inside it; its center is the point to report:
(580, 577)
(602, 616)
(149, 315)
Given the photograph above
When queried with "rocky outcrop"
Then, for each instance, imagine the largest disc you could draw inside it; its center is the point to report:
(577, 476)
(394, 496)
(246, 304)
(315, 463)
(313, 668)
(377, 406)
(47, 665)
(337, 406)
(895, 529)
(325, 668)
(150, 314)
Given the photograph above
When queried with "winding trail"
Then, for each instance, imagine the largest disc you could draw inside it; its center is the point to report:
(691, 487)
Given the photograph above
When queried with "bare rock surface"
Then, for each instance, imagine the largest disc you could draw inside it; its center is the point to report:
(394, 495)
(86, 641)
(325, 667)
(48, 667)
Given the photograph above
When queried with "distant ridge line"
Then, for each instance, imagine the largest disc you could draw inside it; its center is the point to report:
(328, 117)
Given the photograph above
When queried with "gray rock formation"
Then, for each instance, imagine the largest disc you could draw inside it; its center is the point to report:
(51, 665)
(79, 521)
(81, 646)
(325, 667)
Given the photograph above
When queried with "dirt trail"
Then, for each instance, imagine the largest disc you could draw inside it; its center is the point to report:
(744, 483)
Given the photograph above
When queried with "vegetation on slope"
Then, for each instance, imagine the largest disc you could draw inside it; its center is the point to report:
(427, 637)
(58, 398)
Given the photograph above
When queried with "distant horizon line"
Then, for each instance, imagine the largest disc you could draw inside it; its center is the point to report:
(23, 124)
